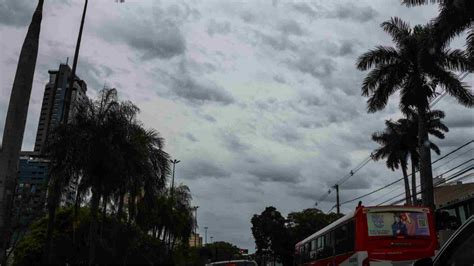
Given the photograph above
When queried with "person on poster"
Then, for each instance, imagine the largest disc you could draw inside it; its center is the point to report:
(398, 227)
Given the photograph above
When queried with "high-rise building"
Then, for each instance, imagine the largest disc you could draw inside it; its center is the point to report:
(30, 190)
(34, 173)
(53, 106)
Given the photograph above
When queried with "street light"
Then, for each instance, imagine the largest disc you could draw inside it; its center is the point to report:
(174, 162)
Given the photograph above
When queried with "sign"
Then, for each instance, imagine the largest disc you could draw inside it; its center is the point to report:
(397, 224)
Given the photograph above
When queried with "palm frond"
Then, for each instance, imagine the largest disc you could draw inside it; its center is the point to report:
(457, 60)
(398, 29)
(411, 3)
(451, 83)
(379, 55)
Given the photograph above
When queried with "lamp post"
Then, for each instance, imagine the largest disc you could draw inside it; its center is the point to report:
(174, 162)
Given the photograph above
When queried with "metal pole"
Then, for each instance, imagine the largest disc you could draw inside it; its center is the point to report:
(337, 198)
(73, 71)
(195, 224)
(174, 162)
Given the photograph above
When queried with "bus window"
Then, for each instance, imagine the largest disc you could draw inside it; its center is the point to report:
(344, 238)
(313, 244)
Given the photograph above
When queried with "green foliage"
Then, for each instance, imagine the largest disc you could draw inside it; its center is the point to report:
(118, 243)
(275, 237)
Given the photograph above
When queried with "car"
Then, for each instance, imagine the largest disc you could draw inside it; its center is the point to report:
(458, 250)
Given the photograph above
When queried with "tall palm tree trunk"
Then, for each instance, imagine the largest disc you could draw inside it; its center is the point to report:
(413, 182)
(407, 183)
(15, 125)
(53, 202)
(426, 175)
(95, 200)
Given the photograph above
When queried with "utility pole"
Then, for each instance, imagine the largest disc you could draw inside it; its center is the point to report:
(336, 186)
(195, 209)
(174, 162)
(72, 78)
(205, 235)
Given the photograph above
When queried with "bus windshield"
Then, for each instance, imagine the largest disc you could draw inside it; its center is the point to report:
(397, 223)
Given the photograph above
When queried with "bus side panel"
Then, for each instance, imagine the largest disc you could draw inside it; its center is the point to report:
(337, 260)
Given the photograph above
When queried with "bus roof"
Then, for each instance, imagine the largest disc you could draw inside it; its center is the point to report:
(339, 221)
(350, 215)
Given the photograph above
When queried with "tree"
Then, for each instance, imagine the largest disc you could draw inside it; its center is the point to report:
(271, 236)
(107, 149)
(15, 124)
(395, 150)
(308, 221)
(455, 16)
(416, 73)
(409, 127)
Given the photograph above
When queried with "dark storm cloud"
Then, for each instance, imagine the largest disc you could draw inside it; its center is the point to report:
(16, 13)
(233, 142)
(287, 133)
(279, 78)
(160, 37)
(191, 137)
(192, 169)
(95, 75)
(279, 42)
(200, 92)
(346, 48)
(310, 63)
(215, 27)
(272, 171)
(353, 12)
(210, 118)
(290, 27)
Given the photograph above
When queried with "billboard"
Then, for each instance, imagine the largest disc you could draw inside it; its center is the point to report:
(397, 224)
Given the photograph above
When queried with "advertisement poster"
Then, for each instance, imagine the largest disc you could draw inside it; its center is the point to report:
(397, 224)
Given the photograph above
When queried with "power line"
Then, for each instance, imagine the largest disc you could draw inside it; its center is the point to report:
(369, 158)
(460, 172)
(436, 100)
(439, 166)
(398, 180)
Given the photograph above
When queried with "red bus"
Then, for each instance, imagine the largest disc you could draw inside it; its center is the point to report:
(382, 235)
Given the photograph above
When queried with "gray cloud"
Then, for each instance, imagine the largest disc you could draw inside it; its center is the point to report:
(233, 142)
(196, 168)
(200, 92)
(353, 12)
(16, 13)
(310, 63)
(287, 133)
(272, 171)
(290, 27)
(191, 137)
(159, 37)
(304, 8)
(215, 27)
(465, 120)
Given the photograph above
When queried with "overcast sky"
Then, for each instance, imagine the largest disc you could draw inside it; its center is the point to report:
(260, 100)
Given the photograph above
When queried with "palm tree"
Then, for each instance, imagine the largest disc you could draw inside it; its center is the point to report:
(415, 74)
(409, 128)
(108, 148)
(395, 150)
(15, 124)
(455, 16)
